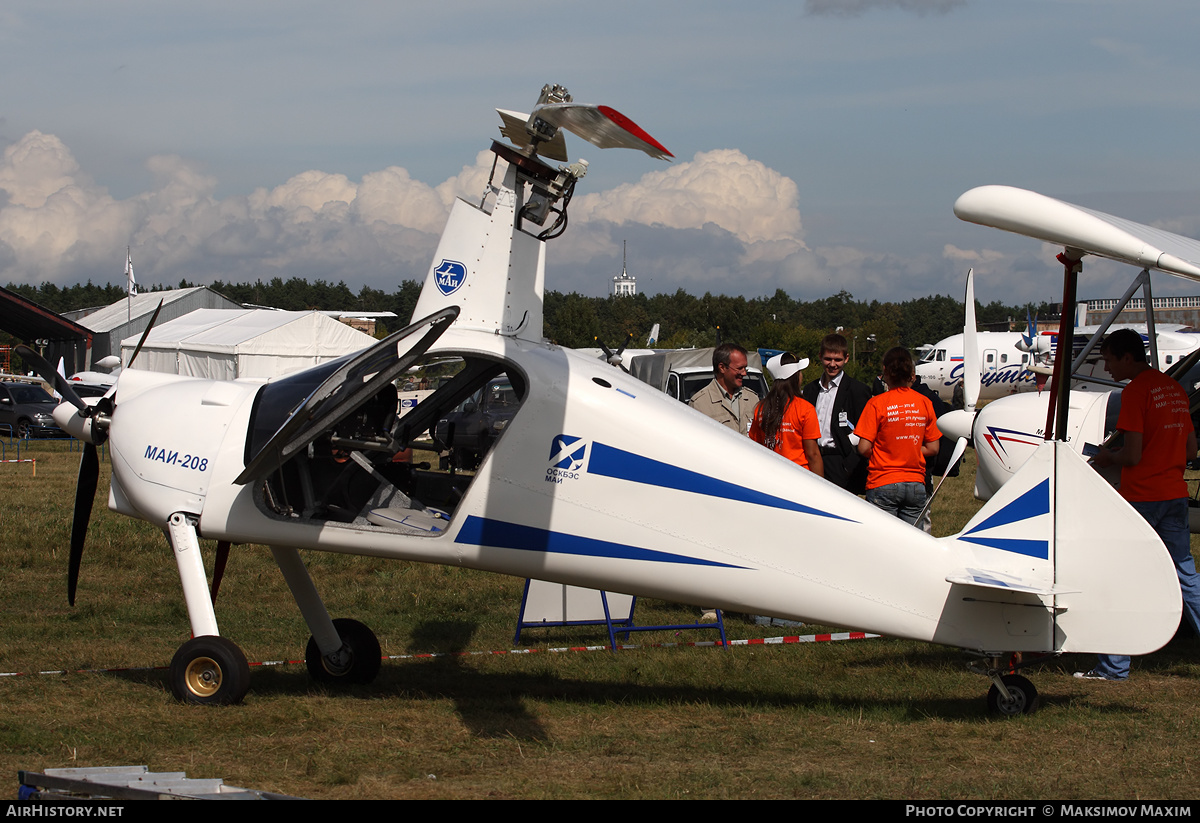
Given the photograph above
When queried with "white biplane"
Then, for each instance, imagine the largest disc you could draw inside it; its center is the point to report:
(597, 480)
(1007, 431)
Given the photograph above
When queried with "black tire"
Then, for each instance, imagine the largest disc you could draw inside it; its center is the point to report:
(365, 656)
(1024, 697)
(24, 429)
(210, 671)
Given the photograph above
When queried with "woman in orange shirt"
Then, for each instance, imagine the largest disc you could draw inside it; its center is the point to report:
(897, 431)
(784, 421)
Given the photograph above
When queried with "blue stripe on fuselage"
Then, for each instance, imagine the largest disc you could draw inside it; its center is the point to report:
(481, 531)
(623, 465)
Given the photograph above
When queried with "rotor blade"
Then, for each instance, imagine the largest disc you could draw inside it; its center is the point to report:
(959, 447)
(628, 340)
(219, 567)
(85, 493)
(51, 376)
(971, 365)
(602, 126)
(145, 334)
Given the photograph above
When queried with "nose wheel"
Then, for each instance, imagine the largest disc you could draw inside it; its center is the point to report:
(210, 671)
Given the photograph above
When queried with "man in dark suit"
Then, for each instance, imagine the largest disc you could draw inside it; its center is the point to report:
(839, 400)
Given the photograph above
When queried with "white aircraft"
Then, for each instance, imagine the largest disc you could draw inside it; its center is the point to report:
(1008, 431)
(1011, 362)
(597, 480)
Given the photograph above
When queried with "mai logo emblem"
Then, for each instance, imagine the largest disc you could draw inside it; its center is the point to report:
(567, 452)
(450, 275)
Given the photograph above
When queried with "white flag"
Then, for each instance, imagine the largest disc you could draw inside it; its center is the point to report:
(130, 283)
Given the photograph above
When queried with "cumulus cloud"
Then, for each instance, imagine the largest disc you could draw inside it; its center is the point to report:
(723, 187)
(720, 222)
(857, 8)
(972, 255)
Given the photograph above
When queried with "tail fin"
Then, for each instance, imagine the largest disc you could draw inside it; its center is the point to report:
(1058, 531)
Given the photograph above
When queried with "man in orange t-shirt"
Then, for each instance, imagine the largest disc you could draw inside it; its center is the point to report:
(1159, 440)
(897, 431)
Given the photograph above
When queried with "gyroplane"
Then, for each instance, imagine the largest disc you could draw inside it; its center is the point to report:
(597, 480)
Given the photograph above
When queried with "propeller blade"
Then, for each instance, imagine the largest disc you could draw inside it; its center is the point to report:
(219, 567)
(85, 494)
(628, 340)
(51, 376)
(145, 334)
(971, 365)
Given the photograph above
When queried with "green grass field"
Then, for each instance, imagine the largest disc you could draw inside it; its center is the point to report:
(875, 718)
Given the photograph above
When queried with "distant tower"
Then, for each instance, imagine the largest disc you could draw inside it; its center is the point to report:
(625, 284)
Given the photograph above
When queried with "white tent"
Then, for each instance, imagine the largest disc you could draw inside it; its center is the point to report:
(225, 345)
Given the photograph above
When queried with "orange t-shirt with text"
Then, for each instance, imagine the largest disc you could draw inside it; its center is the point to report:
(1156, 406)
(898, 422)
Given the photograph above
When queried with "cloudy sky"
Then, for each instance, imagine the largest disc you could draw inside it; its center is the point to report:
(819, 145)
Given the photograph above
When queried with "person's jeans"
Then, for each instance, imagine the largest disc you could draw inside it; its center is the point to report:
(1170, 519)
(904, 500)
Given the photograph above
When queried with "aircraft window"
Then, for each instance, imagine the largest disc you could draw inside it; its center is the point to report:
(991, 358)
(1169, 358)
(1004, 358)
(941, 355)
(401, 464)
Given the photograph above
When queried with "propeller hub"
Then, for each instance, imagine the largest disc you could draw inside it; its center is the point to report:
(957, 423)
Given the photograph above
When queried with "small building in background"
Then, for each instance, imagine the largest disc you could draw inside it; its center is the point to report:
(624, 284)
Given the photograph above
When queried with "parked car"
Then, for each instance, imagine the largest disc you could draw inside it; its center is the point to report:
(25, 410)
(470, 430)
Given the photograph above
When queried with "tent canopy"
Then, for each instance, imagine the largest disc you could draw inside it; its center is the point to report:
(226, 345)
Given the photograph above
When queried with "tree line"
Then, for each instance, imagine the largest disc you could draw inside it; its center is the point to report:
(577, 321)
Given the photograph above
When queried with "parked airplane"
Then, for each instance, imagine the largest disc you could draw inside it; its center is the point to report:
(1010, 362)
(1008, 431)
(597, 480)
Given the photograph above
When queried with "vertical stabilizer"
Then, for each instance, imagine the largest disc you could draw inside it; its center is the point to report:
(488, 267)
(1058, 540)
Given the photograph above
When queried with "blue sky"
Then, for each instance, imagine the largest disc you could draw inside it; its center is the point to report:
(819, 145)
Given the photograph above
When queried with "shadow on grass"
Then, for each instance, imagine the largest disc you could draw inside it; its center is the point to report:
(494, 704)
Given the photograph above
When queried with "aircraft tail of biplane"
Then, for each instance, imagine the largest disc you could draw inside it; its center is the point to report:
(1057, 538)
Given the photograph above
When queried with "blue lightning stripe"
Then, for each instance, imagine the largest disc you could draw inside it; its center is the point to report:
(623, 465)
(1029, 548)
(1032, 503)
(480, 531)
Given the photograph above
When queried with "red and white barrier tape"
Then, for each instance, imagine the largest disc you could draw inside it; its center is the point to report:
(761, 641)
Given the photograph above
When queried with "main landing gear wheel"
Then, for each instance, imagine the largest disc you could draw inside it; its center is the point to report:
(210, 671)
(1024, 697)
(356, 663)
